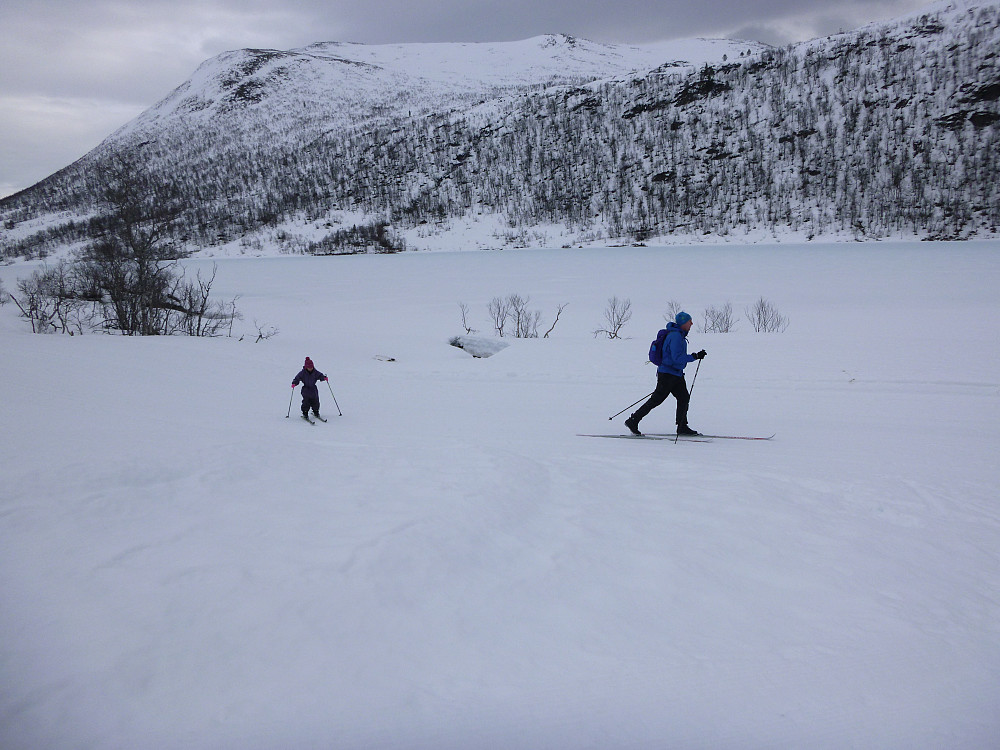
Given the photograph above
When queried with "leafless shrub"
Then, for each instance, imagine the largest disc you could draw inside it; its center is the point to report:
(264, 331)
(465, 318)
(50, 301)
(235, 315)
(673, 307)
(499, 309)
(719, 319)
(197, 314)
(511, 316)
(765, 318)
(616, 315)
(525, 321)
(558, 313)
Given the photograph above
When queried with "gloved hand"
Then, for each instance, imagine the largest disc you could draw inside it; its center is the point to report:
(699, 355)
(294, 384)
(325, 379)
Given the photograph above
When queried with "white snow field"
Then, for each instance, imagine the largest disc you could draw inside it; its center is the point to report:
(448, 565)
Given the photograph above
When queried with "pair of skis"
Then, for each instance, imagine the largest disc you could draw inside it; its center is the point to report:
(312, 421)
(686, 438)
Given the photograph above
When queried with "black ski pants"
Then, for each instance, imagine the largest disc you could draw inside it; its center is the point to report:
(667, 385)
(310, 402)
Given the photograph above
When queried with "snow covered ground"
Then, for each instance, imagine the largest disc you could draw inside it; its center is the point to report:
(448, 565)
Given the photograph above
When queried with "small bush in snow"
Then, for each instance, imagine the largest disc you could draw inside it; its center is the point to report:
(765, 318)
(513, 310)
(499, 309)
(616, 315)
(673, 307)
(465, 318)
(719, 319)
(264, 331)
(553, 326)
(525, 321)
(51, 301)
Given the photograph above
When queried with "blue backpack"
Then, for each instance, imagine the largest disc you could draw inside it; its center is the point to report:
(656, 348)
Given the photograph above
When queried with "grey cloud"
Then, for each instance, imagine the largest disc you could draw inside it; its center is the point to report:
(623, 21)
(768, 34)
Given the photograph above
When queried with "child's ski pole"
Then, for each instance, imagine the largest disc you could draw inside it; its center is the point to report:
(339, 412)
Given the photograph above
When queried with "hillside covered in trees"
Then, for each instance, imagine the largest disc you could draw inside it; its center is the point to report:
(889, 130)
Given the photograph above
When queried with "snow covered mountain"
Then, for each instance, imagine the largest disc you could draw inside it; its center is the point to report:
(244, 113)
(344, 84)
(890, 130)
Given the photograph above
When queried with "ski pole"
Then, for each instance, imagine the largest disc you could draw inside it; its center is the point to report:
(339, 412)
(678, 435)
(694, 378)
(290, 397)
(630, 406)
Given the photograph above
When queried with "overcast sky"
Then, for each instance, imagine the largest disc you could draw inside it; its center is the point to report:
(72, 72)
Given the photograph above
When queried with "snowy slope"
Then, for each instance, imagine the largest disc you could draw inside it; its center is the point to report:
(449, 566)
(345, 83)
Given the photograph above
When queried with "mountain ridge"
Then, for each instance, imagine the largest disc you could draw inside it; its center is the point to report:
(387, 72)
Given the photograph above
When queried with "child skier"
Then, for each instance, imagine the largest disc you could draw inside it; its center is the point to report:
(309, 376)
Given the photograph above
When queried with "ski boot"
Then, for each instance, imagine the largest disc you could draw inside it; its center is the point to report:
(633, 425)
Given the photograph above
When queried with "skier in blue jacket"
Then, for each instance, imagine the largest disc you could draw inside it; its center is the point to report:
(670, 376)
(309, 376)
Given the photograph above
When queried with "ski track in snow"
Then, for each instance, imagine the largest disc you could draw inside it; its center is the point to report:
(449, 565)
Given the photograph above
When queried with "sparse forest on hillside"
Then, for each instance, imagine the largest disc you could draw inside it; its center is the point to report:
(882, 132)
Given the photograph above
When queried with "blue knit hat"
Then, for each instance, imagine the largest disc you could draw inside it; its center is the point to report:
(682, 318)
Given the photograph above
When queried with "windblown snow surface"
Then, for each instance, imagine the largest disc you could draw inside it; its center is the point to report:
(448, 565)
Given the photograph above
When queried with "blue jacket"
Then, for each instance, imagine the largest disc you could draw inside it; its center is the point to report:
(309, 380)
(675, 351)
